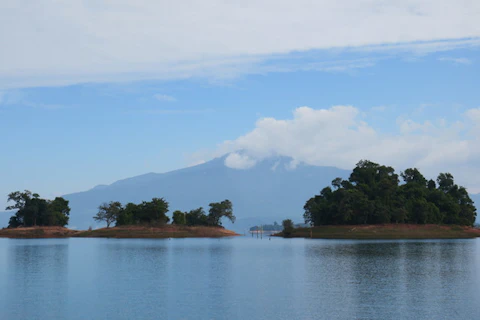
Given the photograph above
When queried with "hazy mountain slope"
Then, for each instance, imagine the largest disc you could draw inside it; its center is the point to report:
(4, 218)
(265, 192)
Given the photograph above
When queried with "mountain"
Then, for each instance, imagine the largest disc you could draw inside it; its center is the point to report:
(5, 217)
(269, 191)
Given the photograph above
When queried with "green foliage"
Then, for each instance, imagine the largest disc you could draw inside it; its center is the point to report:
(413, 176)
(373, 195)
(179, 218)
(147, 212)
(35, 211)
(128, 215)
(153, 211)
(288, 227)
(196, 217)
(217, 211)
(108, 212)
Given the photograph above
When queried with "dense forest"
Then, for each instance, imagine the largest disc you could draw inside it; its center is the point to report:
(155, 213)
(374, 194)
(35, 211)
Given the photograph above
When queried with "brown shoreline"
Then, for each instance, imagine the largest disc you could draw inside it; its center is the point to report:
(168, 231)
(386, 231)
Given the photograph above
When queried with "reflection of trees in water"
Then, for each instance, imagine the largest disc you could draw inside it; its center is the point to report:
(385, 279)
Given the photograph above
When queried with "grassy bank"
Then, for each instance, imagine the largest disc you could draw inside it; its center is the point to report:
(37, 232)
(387, 231)
(167, 231)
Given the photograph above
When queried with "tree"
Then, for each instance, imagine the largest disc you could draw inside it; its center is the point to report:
(21, 199)
(147, 212)
(196, 217)
(128, 216)
(318, 210)
(337, 183)
(288, 227)
(58, 212)
(33, 210)
(445, 182)
(218, 210)
(14, 222)
(179, 217)
(413, 176)
(373, 195)
(108, 213)
(399, 215)
(154, 211)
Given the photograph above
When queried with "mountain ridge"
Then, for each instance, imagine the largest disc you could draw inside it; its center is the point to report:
(269, 191)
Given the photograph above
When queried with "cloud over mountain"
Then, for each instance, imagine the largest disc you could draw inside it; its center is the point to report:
(341, 135)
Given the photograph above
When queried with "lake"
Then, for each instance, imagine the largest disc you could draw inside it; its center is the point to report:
(239, 278)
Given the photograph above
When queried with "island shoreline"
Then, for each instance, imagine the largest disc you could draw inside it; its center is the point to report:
(123, 232)
(384, 232)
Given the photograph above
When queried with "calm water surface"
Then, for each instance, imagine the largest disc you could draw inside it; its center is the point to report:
(239, 278)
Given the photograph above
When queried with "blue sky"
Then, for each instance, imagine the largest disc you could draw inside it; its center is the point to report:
(409, 98)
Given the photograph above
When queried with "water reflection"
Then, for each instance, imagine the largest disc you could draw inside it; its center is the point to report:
(241, 278)
(397, 279)
(35, 279)
(198, 274)
(125, 278)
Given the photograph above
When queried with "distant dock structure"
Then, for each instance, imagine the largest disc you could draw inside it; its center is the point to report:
(260, 232)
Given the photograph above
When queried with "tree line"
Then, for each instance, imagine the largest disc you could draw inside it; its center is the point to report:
(35, 211)
(154, 212)
(374, 194)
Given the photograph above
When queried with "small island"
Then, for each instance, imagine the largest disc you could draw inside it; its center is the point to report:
(374, 204)
(384, 232)
(159, 232)
(40, 218)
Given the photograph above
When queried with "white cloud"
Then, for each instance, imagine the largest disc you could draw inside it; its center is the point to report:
(335, 66)
(421, 48)
(456, 60)
(239, 161)
(164, 97)
(474, 115)
(410, 126)
(339, 137)
(50, 42)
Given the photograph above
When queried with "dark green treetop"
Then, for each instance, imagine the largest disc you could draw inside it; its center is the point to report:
(373, 194)
(35, 211)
